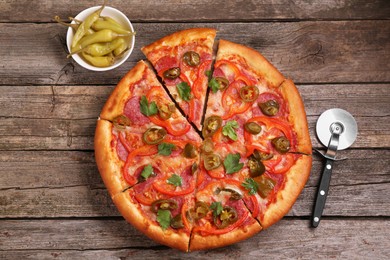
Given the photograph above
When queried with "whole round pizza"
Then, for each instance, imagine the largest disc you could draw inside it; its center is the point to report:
(201, 150)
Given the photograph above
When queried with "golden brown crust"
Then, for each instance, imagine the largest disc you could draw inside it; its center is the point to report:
(296, 178)
(183, 37)
(108, 163)
(199, 242)
(133, 214)
(297, 115)
(254, 59)
(116, 102)
(110, 166)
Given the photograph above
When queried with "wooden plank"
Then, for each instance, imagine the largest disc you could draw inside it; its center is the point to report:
(307, 52)
(202, 10)
(72, 188)
(64, 117)
(290, 239)
(81, 201)
(53, 169)
(24, 170)
(86, 102)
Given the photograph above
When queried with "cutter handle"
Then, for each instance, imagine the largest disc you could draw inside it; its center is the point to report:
(322, 193)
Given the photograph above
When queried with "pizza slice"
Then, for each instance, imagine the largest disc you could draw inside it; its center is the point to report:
(138, 123)
(220, 216)
(182, 60)
(157, 206)
(272, 126)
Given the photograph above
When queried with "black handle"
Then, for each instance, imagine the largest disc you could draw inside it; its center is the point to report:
(322, 193)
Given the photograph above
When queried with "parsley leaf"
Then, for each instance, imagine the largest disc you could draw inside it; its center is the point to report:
(175, 180)
(165, 148)
(184, 91)
(208, 73)
(232, 163)
(147, 171)
(217, 208)
(228, 130)
(164, 218)
(146, 108)
(251, 185)
(214, 85)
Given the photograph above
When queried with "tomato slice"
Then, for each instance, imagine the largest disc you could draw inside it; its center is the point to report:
(283, 165)
(218, 173)
(191, 110)
(145, 193)
(273, 128)
(141, 151)
(215, 231)
(174, 126)
(232, 102)
(188, 185)
(256, 206)
(231, 67)
(201, 80)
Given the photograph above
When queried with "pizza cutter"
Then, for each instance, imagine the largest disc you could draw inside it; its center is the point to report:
(336, 129)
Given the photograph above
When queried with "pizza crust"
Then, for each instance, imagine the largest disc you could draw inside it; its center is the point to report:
(110, 166)
(199, 242)
(108, 163)
(297, 115)
(296, 178)
(183, 37)
(254, 59)
(133, 214)
(116, 102)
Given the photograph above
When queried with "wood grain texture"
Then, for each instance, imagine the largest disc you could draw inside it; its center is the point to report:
(357, 189)
(113, 239)
(64, 117)
(202, 10)
(307, 52)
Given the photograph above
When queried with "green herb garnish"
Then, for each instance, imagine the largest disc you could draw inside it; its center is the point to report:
(165, 148)
(164, 218)
(232, 163)
(175, 180)
(216, 207)
(147, 171)
(184, 91)
(146, 108)
(228, 130)
(251, 185)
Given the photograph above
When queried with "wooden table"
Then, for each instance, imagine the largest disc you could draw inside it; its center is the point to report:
(53, 203)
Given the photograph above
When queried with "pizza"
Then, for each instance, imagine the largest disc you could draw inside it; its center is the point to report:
(211, 163)
(181, 60)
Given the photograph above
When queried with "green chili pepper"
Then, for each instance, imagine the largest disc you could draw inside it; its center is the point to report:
(105, 35)
(101, 24)
(101, 48)
(103, 61)
(86, 25)
(122, 47)
(111, 20)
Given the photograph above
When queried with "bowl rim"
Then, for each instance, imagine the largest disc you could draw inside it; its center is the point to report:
(86, 12)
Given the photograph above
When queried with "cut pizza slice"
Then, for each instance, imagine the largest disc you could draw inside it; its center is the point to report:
(272, 126)
(220, 216)
(157, 206)
(283, 147)
(136, 125)
(182, 60)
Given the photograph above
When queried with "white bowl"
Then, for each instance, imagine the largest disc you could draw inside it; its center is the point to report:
(110, 12)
